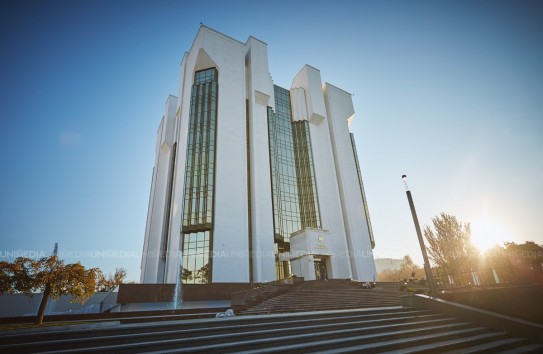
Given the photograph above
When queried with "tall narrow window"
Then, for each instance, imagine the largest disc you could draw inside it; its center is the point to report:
(283, 167)
(200, 178)
(307, 187)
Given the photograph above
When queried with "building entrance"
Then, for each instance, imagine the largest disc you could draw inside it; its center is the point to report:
(320, 269)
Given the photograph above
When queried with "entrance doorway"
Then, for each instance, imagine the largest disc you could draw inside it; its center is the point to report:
(320, 269)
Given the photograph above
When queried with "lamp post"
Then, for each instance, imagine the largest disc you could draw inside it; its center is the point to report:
(427, 268)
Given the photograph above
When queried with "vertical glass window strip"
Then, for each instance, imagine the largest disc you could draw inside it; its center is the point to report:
(199, 179)
(283, 167)
(200, 170)
(196, 259)
(370, 229)
(307, 188)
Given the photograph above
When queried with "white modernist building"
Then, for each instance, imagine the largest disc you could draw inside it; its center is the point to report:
(254, 182)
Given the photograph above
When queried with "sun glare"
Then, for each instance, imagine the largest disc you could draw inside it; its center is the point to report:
(485, 234)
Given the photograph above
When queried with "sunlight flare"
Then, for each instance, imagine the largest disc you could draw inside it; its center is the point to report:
(486, 233)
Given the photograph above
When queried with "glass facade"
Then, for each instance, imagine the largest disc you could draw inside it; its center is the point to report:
(307, 188)
(283, 167)
(200, 178)
(294, 191)
(196, 265)
(370, 230)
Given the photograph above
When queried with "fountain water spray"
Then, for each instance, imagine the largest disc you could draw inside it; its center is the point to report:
(178, 292)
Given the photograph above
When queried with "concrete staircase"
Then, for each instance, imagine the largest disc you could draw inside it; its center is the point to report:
(327, 295)
(392, 329)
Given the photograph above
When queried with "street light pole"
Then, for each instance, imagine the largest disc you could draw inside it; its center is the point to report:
(427, 268)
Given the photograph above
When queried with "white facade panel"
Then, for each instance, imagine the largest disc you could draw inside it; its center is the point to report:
(310, 79)
(180, 136)
(299, 104)
(230, 234)
(157, 217)
(259, 86)
(340, 111)
(156, 228)
(325, 174)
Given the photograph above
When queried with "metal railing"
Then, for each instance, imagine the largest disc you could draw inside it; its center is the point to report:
(487, 277)
(110, 301)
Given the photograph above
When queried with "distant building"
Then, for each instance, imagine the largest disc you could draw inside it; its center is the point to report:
(254, 182)
(382, 264)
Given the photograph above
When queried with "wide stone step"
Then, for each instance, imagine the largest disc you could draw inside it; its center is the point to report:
(326, 301)
(281, 304)
(308, 304)
(305, 297)
(493, 346)
(315, 297)
(329, 340)
(487, 342)
(528, 348)
(331, 298)
(287, 309)
(151, 342)
(402, 345)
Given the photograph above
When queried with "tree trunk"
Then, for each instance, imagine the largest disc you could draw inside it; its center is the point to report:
(43, 304)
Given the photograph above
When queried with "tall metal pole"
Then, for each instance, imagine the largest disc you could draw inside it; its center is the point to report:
(427, 268)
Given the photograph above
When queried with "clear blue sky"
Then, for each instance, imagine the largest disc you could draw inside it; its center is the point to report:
(449, 93)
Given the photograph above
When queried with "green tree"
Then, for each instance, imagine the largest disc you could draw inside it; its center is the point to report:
(449, 244)
(50, 275)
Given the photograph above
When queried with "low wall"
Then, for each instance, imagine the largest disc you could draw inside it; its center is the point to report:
(141, 293)
(122, 317)
(502, 323)
(13, 305)
(521, 301)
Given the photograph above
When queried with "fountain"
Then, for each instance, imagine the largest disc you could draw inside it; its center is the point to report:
(178, 292)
